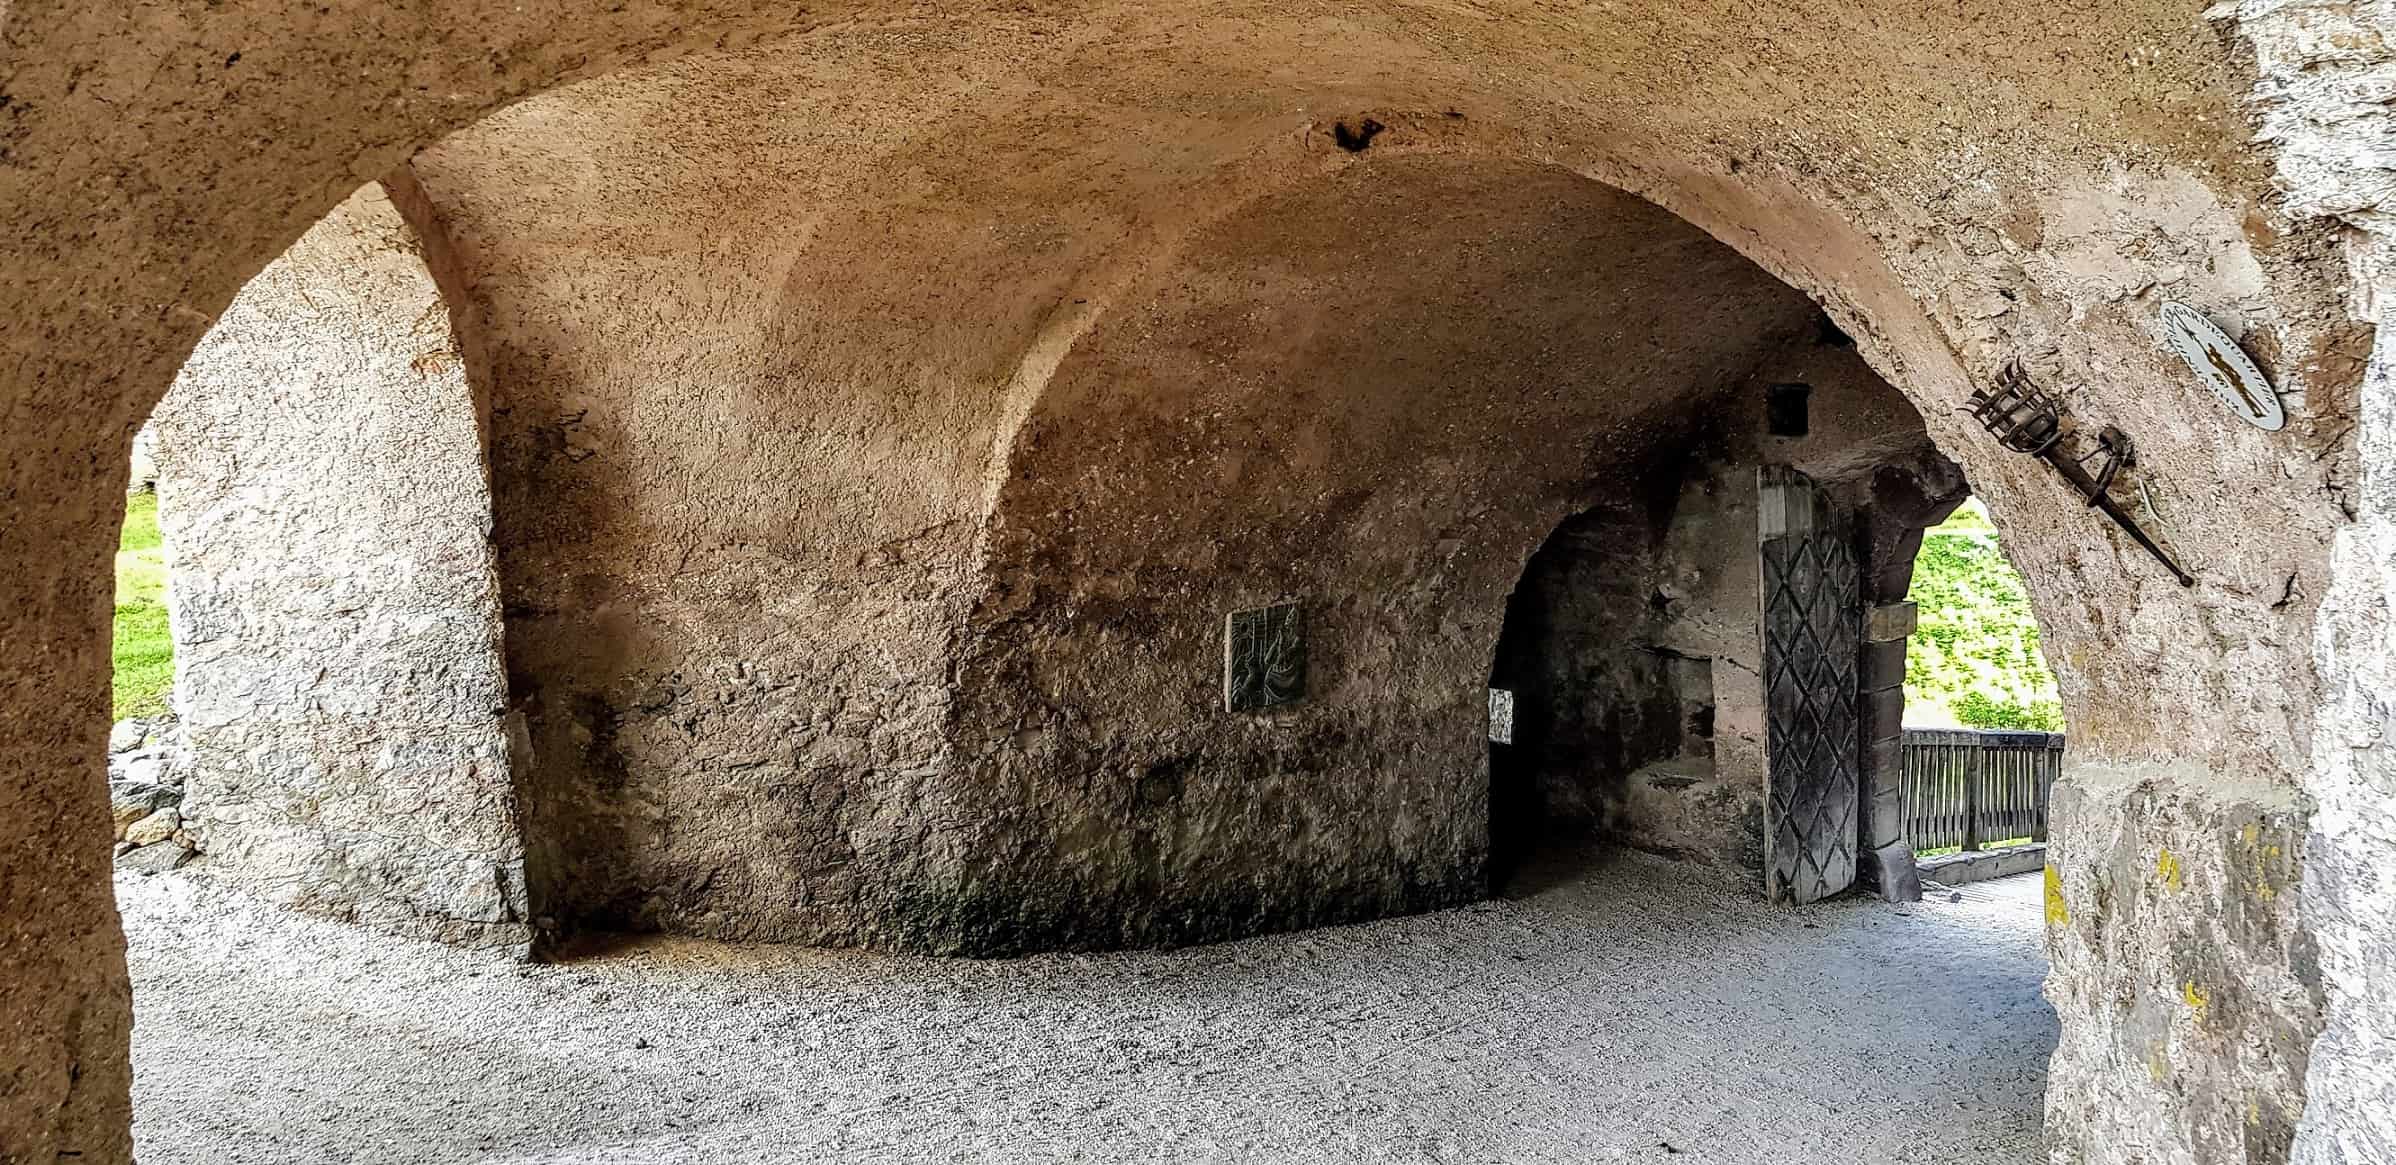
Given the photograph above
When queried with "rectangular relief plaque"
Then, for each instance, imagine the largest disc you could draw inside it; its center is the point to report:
(1501, 716)
(1264, 658)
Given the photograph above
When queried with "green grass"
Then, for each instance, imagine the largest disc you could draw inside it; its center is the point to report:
(144, 653)
(1974, 660)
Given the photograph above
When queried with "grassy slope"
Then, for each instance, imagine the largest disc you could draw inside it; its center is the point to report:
(1974, 661)
(145, 656)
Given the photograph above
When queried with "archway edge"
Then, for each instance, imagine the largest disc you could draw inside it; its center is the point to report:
(1771, 222)
(138, 163)
(139, 201)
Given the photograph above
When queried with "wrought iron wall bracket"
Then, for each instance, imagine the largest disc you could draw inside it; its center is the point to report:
(2027, 420)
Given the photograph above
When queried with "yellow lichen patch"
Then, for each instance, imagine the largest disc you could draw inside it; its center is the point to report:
(2058, 912)
(2158, 1065)
(2195, 998)
(2167, 867)
(2263, 858)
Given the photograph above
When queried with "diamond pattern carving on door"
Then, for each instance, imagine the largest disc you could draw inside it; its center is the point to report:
(1812, 633)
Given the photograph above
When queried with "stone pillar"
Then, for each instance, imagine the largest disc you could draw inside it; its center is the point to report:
(66, 1007)
(1902, 501)
(1887, 851)
(2350, 867)
(334, 596)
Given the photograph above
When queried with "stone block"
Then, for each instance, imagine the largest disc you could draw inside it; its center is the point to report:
(1891, 870)
(2187, 984)
(155, 858)
(127, 735)
(1890, 622)
(130, 803)
(155, 828)
(143, 768)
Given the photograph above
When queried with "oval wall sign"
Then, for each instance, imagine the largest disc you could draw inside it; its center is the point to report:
(2223, 366)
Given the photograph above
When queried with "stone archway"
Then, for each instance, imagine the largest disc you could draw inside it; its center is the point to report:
(1384, 447)
(155, 166)
(1632, 651)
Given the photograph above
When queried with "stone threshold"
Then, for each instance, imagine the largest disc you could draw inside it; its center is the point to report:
(1980, 866)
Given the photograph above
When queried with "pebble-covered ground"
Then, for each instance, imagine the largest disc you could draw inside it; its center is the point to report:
(1625, 1010)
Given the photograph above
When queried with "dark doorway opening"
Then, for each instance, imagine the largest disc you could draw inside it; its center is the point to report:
(1612, 686)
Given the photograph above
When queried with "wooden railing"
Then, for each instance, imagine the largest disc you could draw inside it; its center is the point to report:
(1967, 789)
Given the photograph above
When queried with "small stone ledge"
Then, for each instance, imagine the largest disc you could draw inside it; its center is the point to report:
(1956, 869)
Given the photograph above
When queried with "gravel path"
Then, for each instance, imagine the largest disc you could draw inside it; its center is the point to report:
(1627, 1012)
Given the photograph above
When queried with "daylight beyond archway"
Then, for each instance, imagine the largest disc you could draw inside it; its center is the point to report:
(1973, 660)
(1244, 582)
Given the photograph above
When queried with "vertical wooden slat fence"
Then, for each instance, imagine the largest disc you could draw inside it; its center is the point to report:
(1968, 789)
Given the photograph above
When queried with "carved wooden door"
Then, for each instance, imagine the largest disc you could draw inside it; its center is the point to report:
(1812, 630)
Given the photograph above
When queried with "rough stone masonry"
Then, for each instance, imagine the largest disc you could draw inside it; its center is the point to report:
(881, 408)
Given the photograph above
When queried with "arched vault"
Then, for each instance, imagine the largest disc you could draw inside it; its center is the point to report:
(811, 339)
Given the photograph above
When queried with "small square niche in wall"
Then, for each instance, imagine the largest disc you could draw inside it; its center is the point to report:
(1785, 409)
(1264, 658)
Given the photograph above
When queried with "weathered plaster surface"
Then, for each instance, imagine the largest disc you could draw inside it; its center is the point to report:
(1930, 176)
(334, 604)
(737, 515)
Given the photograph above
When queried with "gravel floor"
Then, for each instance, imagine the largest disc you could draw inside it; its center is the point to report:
(1626, 1011)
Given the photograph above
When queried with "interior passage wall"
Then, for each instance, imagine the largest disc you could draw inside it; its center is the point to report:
(740, 425)
(1633, 643)
(334, 603)
(754, 378)
(1614, 725)
(1294, 413)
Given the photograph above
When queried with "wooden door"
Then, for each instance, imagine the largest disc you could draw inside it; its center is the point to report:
(1812, 614)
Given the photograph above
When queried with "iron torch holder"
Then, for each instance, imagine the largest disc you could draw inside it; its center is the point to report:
(2027, 420)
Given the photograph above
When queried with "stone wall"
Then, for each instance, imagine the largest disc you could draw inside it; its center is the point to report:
(2325, 70)
(737, 515)
(2181, 954)
(738, 584)
(1615, 724)
(1385, 452)
(2350, 874)
(332, 595)
(1620, 696)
